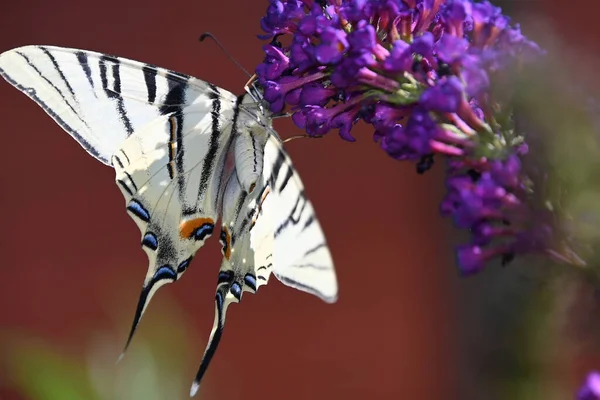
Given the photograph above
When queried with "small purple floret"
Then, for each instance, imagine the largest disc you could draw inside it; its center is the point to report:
(446, 96)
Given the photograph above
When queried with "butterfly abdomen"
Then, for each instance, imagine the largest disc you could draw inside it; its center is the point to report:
(249, 153)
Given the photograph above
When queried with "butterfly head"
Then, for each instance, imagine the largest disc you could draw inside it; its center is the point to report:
(255, 96)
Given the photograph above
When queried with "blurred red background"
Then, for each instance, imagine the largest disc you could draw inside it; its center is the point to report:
(66, 240)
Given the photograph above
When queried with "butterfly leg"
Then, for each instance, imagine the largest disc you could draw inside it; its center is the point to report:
(281, 115)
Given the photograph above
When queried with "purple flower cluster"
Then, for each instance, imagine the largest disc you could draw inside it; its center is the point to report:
(591, 388)
(421, 72)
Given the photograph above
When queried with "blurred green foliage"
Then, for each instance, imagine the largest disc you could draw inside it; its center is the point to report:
(154, 367)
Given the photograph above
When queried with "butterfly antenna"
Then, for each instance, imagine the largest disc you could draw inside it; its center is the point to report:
(236, 62)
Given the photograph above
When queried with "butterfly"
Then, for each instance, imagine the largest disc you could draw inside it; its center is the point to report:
(186, 152)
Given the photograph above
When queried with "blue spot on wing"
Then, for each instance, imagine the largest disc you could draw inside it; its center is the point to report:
(165, 272)
(150, 241)
(201, 232)
(225, 277)
(183, 266)
(250, 281)
(236, 290)
(138, 210)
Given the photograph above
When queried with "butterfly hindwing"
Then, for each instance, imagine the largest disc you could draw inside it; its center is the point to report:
(178, 165)
(244, 268)
(272, 229)
(301, 257)
(175, 200)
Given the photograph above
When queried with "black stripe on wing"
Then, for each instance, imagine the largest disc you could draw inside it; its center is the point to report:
(85, 66)
(213, 144)
(173, 105)
(301, 202)
(150, 79)
(114, 92)
(60, 73)
(286, 179)
(276, 168)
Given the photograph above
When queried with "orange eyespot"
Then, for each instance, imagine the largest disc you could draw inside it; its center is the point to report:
(197, 228)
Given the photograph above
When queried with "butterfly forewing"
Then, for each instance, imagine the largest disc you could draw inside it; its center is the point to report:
(98, 99)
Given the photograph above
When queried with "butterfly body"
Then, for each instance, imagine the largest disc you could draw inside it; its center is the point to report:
(168, 136)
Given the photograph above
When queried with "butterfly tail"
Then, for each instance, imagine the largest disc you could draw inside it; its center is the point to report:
(162, 277)
(223, 298)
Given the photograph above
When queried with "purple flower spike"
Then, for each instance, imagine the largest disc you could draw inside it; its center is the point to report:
(424, 75)
(591, 388)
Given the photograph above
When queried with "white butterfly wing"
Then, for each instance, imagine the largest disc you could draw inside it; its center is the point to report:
(272, 229)
(98, 99)
(165, 133)
(301, 257)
